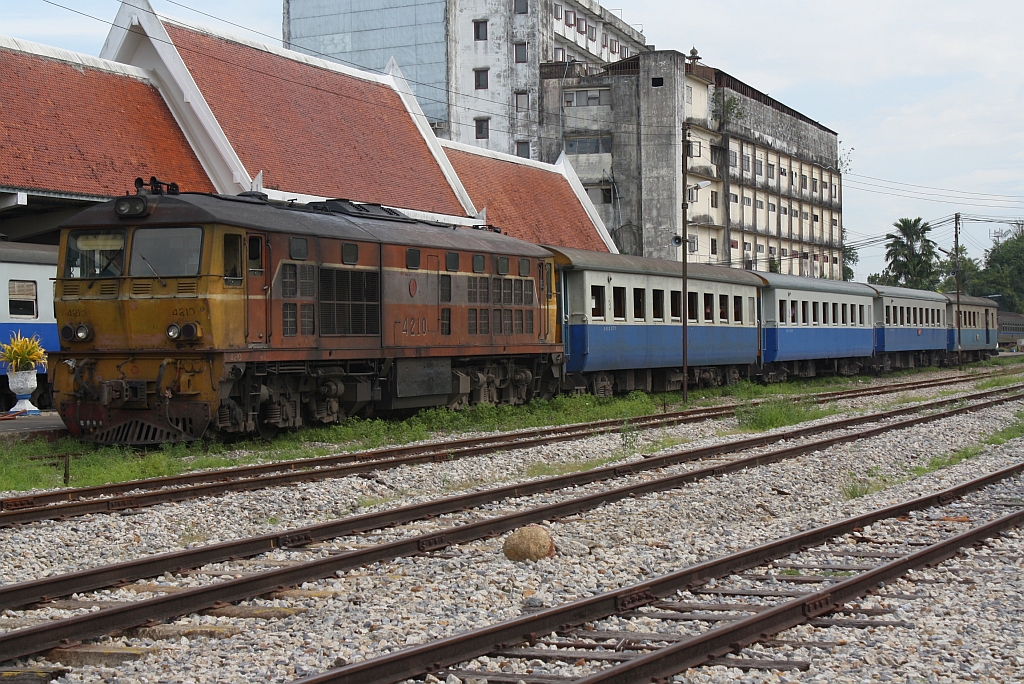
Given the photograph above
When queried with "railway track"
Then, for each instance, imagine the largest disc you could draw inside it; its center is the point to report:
(750, 602)
(66, 503)
(118, 616)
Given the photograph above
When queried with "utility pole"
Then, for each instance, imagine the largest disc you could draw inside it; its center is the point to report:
(956, 265)
(684, 298)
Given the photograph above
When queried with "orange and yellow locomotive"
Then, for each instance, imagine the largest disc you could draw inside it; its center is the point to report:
(191, 315)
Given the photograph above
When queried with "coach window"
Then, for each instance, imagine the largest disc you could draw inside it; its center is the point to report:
(860, 312)
(412, 259)
(298, 248)
(888, 311)
(675, 305)
(782, 312)
(835, 314)
(709, 308)
(350, 253)
(737, 309)
(658, 304)
(913, 315)
(232, 259)
(792, 312)
(451, 261)
(723, 308)
(752, 305)
(479, 263)
(902, 317)
(803, 313)
(22, 298)
(824, 313)
(814, 313)
(597, 301)
(843, 306)
(619, 303)
(639, 304)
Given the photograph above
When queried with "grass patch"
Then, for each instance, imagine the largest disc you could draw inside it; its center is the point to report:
(775, 413)
(555, 469)
(855, 487)
(992, 383)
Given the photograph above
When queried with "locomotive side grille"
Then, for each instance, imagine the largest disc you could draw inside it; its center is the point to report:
(349, 302)
(70, 289)
(139, 432)
(187, 287)
(108, 288)
(142, 287)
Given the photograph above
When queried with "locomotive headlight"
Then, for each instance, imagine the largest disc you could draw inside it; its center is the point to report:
(67, 333)
(130, 206)
(83, 333)
(173, 331)
(191, 331)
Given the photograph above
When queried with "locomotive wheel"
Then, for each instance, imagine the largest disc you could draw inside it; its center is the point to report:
(267, 431)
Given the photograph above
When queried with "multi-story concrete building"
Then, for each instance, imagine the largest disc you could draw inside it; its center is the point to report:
(474, 65)
(770, 195)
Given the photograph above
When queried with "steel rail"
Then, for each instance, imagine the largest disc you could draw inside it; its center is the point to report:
(433, 656)
(34, 591)
(26, 641)
(727, 638)
(153, 491)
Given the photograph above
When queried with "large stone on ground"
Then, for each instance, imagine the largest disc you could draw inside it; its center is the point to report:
(532, 542)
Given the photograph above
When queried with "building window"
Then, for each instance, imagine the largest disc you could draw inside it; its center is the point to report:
(624, 52)
(520, 53)
(746, 162)
(523, 149)
(803, 182)
(760, 249)
(689, 95)
(746, 246)
(587, 98)
(570, 18)
(746, 201)
(784, 211)
(835, 222)
(714, 245)
(733, 197)
(604, 40)
(758, 167)
(601, 145)
(657, 82)
(522, 102)
(771, 206)
(559, 54)
(592, 32)
(558, 11)
(483, 129)
(479, 30)
(814, 185)
(693, 148)
(805, 215)
(785, 252)
(522, 6)
(480, 79)
(760, 204)
(732, 158)
(714, 199)
(613, 46)
(816, 218)
(600, 195)
(771, 170)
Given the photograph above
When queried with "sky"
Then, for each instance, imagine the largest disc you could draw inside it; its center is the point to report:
(926, 95)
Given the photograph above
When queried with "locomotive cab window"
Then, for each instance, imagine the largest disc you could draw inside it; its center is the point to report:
(298, 248)
(597, 301)
(95, 254)
(166, 252)
(22, 299)
(412, 259)
(232, 259)
(255, 255)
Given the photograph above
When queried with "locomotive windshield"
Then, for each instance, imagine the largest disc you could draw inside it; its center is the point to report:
(167, 252)
(95, 254)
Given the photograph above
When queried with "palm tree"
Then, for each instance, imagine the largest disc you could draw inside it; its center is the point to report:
(911, 254)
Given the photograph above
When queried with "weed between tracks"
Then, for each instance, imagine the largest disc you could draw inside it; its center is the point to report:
(856, 487)
(776, 413)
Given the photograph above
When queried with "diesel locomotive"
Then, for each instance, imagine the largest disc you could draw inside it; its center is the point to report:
(182, 315)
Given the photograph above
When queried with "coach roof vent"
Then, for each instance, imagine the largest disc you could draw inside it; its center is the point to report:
(253, 194)
(366, 210)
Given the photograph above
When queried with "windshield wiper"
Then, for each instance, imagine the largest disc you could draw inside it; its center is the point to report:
(143, 257)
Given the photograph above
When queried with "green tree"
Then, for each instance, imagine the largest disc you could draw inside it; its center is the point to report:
(969, 273)
(850, 259)
(911, 255)
(773, 265)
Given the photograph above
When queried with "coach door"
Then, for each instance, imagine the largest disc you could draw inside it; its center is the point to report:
(258, 290)
(987, 327)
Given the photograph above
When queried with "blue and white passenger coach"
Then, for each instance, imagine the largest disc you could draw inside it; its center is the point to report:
(910, 327)
(814, 325)
(978, 331)
(621, 318)
(27, 273)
